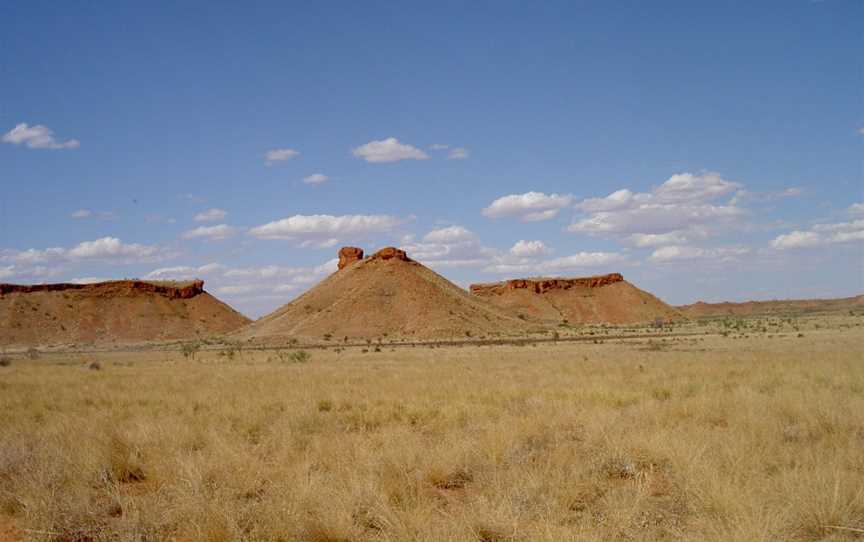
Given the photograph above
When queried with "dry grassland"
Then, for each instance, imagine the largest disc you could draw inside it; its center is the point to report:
(714, 438)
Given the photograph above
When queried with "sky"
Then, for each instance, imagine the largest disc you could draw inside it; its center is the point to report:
(705, 150)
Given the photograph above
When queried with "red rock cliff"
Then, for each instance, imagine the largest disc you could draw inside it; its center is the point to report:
(390, 253)
(541, 285)
(184, 290)
(349, 255)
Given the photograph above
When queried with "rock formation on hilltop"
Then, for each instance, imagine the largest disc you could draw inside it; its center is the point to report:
(122, 311)
(349, 255)
(186, 290)
(599, 299)
(388, 295)
(539, 286)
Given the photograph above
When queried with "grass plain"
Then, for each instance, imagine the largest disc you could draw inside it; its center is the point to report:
(752, 431)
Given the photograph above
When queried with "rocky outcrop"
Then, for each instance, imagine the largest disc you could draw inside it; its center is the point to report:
(390, 253)
(185, 290)
(349, 255)
(542, 285)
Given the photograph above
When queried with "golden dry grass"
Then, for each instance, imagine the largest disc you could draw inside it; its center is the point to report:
(714, 438)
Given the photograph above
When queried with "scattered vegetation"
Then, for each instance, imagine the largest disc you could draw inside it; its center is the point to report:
(711, 440)
(293, 356)
(189, 350)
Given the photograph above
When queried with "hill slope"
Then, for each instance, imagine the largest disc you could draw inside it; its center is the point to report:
(384, 295)
(778, 307)
(122, 311)
(601, 299)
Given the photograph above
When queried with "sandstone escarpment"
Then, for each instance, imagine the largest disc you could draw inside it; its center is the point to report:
(391, 253)
(122, 311)
(541, 285)
(349, 255)
(185, 290)
(598, 299)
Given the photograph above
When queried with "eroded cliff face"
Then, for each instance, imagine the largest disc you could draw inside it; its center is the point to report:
(542, 285)
(186, 290)
(391, 253)
(349, 255)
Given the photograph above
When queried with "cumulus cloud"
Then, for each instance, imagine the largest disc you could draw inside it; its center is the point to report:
(565, 264)
(680, 204)
(213, 233)
(211, 215)
(449, 235)
(260, 288)
(642, 240)
(679, 253)
(856, 209)
(37, 137)
(528, 249)
(280, 155)
(453, 246)
(745, 196)
(316, 178)
(88, 280)
(388, 150)
(106, 249)
(325, 230)
(528, 207)
(821, 235)
(458, 153)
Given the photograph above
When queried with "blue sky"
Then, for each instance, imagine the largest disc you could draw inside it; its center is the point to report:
(706, 150)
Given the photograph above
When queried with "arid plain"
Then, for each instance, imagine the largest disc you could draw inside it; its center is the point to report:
(716, 429)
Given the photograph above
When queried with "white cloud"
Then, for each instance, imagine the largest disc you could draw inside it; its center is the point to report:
(861, 131)
(37, 137)
(686, 187)
(856, 209)
(388, 150)
(575, 262)
(211, 215)
(113, 249)
(678, 253)
(528, 207)
(325, 230)
(82, 213)
(458, 153)
(217, 232)
(439, 146)
(449, 235)
(453, 246)
(745, 196)
(796, 239)
(821, 235)
(642, 240)
(528, 249)
(88, 280)
(316, 178)
(682, 204)
(267, 283)
(280, 155)
(107, 249)
(7, 271)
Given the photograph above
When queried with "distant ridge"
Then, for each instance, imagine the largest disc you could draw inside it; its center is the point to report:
(120, 311)
(700, 309)
(583, 300)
